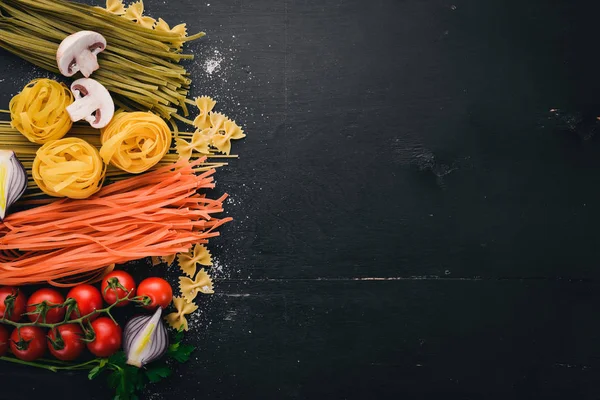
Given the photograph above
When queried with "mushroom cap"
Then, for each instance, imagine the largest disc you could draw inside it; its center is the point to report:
(78, 52)
(92, 103)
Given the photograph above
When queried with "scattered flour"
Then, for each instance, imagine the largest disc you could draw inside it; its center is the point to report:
(212, 65)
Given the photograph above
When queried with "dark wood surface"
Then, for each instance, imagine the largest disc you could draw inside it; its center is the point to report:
(412, 219)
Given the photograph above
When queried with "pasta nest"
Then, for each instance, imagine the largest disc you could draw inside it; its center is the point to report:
(39, 112)
(135, 141)
(68, 167)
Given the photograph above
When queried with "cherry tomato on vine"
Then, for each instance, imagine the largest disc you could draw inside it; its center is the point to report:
(28, 343)
(51, 297)
(88, 299)
(107, 337)
(15, 299)
(112, 287)
(64, 342)
(158, 290)
(4, 340)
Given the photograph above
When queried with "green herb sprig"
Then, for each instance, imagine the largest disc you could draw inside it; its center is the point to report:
(127, 381)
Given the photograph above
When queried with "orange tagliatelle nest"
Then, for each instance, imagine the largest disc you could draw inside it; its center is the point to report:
(135, 141)
(159, 213)
(68, 167)
(39, 112)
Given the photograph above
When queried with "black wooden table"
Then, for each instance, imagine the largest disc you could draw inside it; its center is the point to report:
(414, 203)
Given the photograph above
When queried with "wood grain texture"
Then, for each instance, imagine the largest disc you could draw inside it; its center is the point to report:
(412, 221)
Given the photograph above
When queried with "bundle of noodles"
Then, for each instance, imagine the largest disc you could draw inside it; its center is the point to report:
(66, 242)
(11, 139)
(140, 66)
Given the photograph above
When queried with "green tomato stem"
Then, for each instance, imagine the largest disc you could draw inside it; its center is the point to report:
(138, 299)
(54, 368)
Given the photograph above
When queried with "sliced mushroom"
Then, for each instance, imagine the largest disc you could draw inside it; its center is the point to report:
(78, 52)
(92, 103)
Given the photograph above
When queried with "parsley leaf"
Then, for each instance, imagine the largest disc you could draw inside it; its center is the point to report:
(97, 369)
(127, 380)
(119, 358)
(157, 373)
(181, 352)
(94, 372)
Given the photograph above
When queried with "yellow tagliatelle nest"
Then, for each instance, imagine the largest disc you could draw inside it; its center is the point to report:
(135, 141)
(39, 112)
(68, 167)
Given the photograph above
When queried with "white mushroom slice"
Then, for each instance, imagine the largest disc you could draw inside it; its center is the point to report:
(92, 103)
(78, 52)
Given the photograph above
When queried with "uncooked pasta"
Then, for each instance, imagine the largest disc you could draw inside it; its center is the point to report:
(135, 141)
(39, 110)
(68, 167)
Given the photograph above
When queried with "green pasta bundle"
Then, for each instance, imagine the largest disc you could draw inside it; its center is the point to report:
(140, 66)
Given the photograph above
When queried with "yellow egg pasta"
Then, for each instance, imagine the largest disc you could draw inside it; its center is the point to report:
(217, 120)
(202, 283)
(180, 29)
(229, 130)
(168, 259)
(177, 320)
(157, 260)
(115, 7)
(184, 148)
(68, 167)
(134, 12)
(205, 105)
(135, 141)
(39, 111)
(200, 143)
(214, 132)
(199, 255)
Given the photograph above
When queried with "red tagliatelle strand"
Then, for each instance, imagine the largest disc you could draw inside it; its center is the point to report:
(68, 242)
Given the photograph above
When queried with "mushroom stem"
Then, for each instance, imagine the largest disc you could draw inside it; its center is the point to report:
(87, 63)
(83, 108)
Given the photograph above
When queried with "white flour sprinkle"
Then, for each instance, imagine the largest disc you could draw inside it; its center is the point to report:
(213, 64)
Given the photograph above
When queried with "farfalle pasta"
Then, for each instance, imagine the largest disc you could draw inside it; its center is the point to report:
(157, 260)
(177, 320)
(180, 30)
(205, 105)
(214, 132)
(221, 140)
(135, 141)
(190, 288)
(135, 13)
(115, 7)
(39, 111)
(217, 120)
(198, 255)
(68, 167)
(200, 143)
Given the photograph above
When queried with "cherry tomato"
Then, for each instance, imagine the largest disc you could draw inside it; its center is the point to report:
(108, 337)
(88, 299)
(64, 342)
(18, 300)
(4, 340)
(28, 343)
(51, 297)
(111, 293)
(158, 290)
